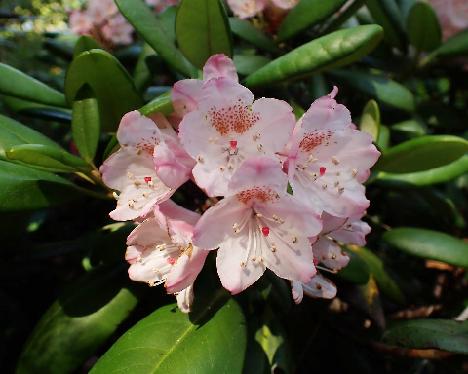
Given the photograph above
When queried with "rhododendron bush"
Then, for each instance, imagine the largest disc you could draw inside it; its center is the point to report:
(238, 186)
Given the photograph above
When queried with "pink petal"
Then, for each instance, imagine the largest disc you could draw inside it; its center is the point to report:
(185, 95)
(147, 233)
(352, 232)
(246, 8)
(297, 291)
(138, 131)
(219, 66)
(285, 4)
(321, 287)
(185, 299)
(330, 254)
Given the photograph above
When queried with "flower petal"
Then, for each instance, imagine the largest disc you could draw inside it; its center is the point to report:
(321, 287)
(220, 66)
(330, 254)
(297, 292)
(185, 95)
(185, 299)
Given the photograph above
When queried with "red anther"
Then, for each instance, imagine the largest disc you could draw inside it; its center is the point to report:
(147, 179)
(265, 231)
(233, 144)
(322, 170)
(171, 260)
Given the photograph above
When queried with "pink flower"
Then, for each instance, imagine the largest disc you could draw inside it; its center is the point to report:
(118, 31)
(258, 226)
(80, 23)
(160, 250)
(328, 160)
(101, 10)
(327, 252)
(453, 15)
(131, 169)
(250, 8)
(226, 126)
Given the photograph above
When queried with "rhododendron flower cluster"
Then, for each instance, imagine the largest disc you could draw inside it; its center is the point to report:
(453, 15)
(102, 20)
(243, 153)
(250, 8)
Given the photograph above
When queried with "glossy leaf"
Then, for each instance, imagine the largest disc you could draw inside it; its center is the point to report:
(457, 45)
(86, 124)
(336, 49)
(248, 64)
(78, 323)
(305, 14)
(83, 44)
(429, 244)
(424, 178)
(410, 128)
(247, 31)
(202, 30)
(46, 157)
(161, 104)
(169, 341)
(37, 110)
(23, 188)
(14, 133)
(426, 333)
(376, 267)
(370, 120)
(423, 153)
(387, 14)
(384, 90)
(356, 271)
(154, 32)
(15, 83)
(383, 141)
(423, 27)
(110, 82)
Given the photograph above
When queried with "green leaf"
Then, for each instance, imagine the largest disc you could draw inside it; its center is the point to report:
(153, 30)
(386, 284)
(15, 83)
(423, 27)
(86, 123)
(429, 244)
(370, 120)
(46, 157)
(248, 64)
(387, 14)
(211, 339)
(356, 271)
(23, 188)
(383, 141)
(422, 153)
(305, 14)
(336, 49)
(455, 46)
(444, 334)
(142, 74)
(202, 30)
(410, 128)
(384, 90)
(424, 178)
(78, 323)
(37, 110)
(14, 133)
(110, 82)
(85, 43)
(246, 30)
(161, 104)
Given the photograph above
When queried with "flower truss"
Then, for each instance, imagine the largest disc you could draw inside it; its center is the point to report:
(243, 153)
(250, 8)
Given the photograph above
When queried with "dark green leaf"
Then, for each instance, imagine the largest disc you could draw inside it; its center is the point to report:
(376, 267)
(83, 44)
(161, 104)
(15, 83)
(23, 188)
(142, 74)
(248, 64)
(411, 128)
(384, 90)
(247, 31)
(424, 178)
(154, 32)
(14, 133)
(457, 45)
(423, 153)
(202, 30)
(387, 14)
(210, 340)
(46, 157)
(444, 334)
(383, 140)
(110, 82)
(37, 110)
(356, 271)
(77, 324)
(429, 244)
(423, 27)
(86, 124)
(370, 120)
(336, 49)
(305, 14)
